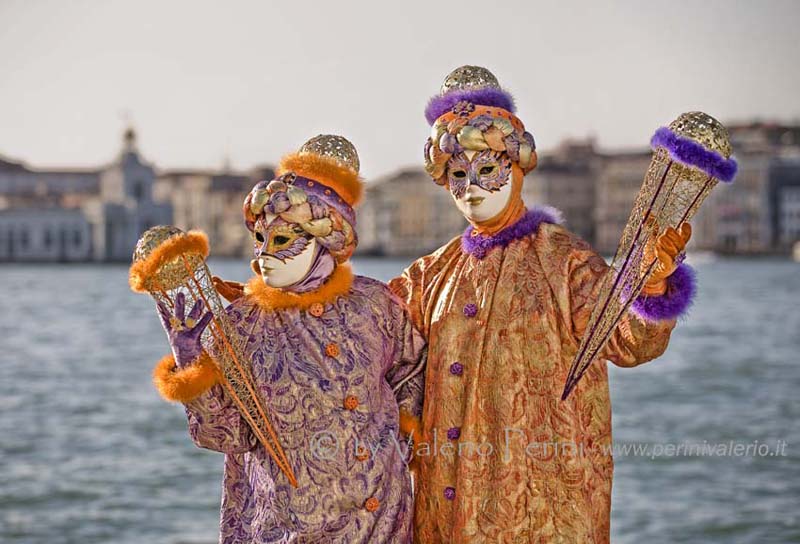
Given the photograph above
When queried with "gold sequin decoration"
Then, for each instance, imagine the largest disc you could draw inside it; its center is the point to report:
(703, 129)
(171, 274)
(469, 77)
(336, 147)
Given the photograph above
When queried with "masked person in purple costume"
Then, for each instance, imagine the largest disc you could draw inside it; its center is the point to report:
(335, 359)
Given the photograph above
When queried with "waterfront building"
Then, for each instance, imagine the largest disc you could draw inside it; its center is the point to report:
(566, 179)
(44, 234)
(212, 202)
(784, 201)
(67, 214)
(617, 184)
(753, 214)
(406, 214)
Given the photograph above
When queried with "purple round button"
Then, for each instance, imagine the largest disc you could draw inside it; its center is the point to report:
(470, 310)
(456, 369)
(449, 493)
(453, 433)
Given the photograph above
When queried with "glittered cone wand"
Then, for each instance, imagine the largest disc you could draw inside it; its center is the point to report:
(168, 261)
(689, 158)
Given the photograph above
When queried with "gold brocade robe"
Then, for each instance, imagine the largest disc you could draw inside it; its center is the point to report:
(501, 457)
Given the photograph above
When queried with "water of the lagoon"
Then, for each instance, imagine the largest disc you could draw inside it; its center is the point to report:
(89, 453)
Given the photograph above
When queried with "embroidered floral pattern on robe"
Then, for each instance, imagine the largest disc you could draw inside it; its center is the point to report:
(502, 332)
(313, 391)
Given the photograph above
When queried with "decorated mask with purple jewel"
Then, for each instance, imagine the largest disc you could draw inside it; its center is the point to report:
(279, 239)
(489, 170)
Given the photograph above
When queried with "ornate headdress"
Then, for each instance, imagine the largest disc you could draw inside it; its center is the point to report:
(472, 112)
(316, 188)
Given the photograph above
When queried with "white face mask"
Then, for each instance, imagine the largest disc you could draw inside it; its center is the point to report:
(475, 202)
(289, 270)
(480, 205)
(279, 274)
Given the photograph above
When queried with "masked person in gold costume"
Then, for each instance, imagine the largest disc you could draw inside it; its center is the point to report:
(504, 307)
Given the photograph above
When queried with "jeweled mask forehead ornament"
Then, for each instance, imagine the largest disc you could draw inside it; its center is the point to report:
(313, 196)
(473, 113)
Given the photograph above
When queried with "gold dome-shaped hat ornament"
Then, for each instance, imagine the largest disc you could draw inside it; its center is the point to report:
(168, 261)
(690, 156)
(468, 77)
(336, 147)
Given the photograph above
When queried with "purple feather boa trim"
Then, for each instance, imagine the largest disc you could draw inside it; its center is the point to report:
(479, 245)
(691, 153)
(674, 303)
(486, 96)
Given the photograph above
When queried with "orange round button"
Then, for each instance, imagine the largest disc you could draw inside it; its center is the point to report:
(316, 309)
(362, 453)
(332, 350)
(351, 402)
(372, 504)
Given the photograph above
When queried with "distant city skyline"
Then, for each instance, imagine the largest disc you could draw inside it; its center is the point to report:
(202, 83)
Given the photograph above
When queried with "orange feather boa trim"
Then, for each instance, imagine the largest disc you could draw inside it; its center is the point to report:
(142, 271)
(187, 383)
(269, 298)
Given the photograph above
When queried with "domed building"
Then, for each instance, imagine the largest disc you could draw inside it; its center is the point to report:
(78, 215)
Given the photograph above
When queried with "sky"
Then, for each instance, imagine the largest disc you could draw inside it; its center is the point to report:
(204, 82)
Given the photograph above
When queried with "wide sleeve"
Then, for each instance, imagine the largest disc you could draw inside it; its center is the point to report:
(214, 419)
(575, 273)
(215, 423)
(635, 340)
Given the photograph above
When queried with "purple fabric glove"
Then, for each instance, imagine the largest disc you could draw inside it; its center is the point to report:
(184, 338)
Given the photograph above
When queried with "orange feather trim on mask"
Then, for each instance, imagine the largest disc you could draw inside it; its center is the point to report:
(187, 383)
(326, 171)
(270, 298)
(142, 271)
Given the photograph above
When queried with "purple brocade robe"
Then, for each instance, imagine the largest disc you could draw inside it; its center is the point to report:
(331, 386)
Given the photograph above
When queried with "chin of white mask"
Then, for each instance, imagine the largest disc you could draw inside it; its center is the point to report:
(280, 274)
(480, 205)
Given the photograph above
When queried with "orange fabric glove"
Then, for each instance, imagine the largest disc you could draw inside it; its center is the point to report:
(230, 290)
(665, 250)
